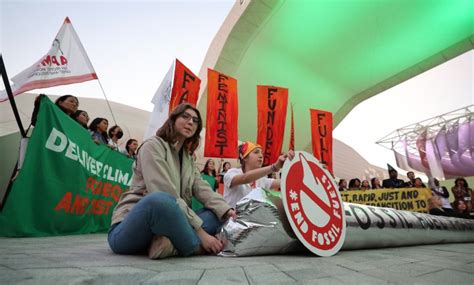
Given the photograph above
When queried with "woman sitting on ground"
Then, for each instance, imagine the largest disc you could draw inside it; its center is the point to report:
(98, 130)
(238, 182)
(155, 213)
(81, 117)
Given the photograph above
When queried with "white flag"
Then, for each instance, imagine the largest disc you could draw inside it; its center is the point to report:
(161, 100)
(65, 63)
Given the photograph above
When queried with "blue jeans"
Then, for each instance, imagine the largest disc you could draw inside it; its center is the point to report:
(158, 214)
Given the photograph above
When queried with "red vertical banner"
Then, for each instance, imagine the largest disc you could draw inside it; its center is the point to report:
(185, 86)
(222, 116)
(271, 106)
(321, 134)
(292, 131)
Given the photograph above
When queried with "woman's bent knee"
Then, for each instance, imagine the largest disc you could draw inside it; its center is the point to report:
(159, 200)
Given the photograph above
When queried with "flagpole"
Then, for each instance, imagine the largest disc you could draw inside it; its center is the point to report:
(8, 89)
(107, 100)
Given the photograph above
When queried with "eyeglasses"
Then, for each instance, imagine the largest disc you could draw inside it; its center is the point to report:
(188, 117)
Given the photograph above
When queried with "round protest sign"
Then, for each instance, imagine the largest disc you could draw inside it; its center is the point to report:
(313, 204)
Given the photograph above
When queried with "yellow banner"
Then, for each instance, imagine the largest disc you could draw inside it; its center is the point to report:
(408, 199)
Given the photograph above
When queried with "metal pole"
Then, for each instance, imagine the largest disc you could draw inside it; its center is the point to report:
(8, 89)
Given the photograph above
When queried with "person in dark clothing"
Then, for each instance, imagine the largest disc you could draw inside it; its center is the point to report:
(435, 205)
(354, 184)
(411, 179)
(393, 181)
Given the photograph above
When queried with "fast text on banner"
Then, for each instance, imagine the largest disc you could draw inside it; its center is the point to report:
(68, 184)
(222, 116)
(185, 86)
(271, 105)
(321, 133)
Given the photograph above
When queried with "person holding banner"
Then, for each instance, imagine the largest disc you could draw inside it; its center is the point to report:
(392, 181)
(81, 117)
(238, 182)
(68, 104)
(115, 133)
(131, 149)
(98, 130)
(155, 214)
(375, 183)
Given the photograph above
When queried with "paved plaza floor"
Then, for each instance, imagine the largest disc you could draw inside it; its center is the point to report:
(87, 259)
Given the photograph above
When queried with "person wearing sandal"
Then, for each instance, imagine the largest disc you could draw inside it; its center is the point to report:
(155, 214)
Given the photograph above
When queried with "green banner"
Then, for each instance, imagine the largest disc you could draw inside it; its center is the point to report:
(68, 184)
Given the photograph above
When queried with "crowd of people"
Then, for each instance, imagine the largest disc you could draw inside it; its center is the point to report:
(390, 183)
(462, 206)
(98, 128)
(172, 208)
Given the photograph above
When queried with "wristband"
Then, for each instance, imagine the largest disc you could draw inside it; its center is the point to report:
(274, 168)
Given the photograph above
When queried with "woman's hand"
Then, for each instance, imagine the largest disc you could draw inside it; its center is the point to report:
(210, 243)
(231, 214)
(281, 160)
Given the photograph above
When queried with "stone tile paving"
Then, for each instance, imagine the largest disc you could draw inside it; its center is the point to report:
(86, 259)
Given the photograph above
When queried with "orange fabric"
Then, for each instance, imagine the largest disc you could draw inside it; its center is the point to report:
(321, 133)
(222, 116)
(220, 189)
(292, 131)
(271, 105)
(185, 86)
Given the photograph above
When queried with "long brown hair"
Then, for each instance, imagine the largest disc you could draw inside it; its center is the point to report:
(168, 133)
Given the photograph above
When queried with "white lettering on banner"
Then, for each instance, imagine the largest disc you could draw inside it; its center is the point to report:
(70, 151)
(58, 141)
(51, 142)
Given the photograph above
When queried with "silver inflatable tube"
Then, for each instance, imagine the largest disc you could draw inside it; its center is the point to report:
(260, 228)
(375, 227)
